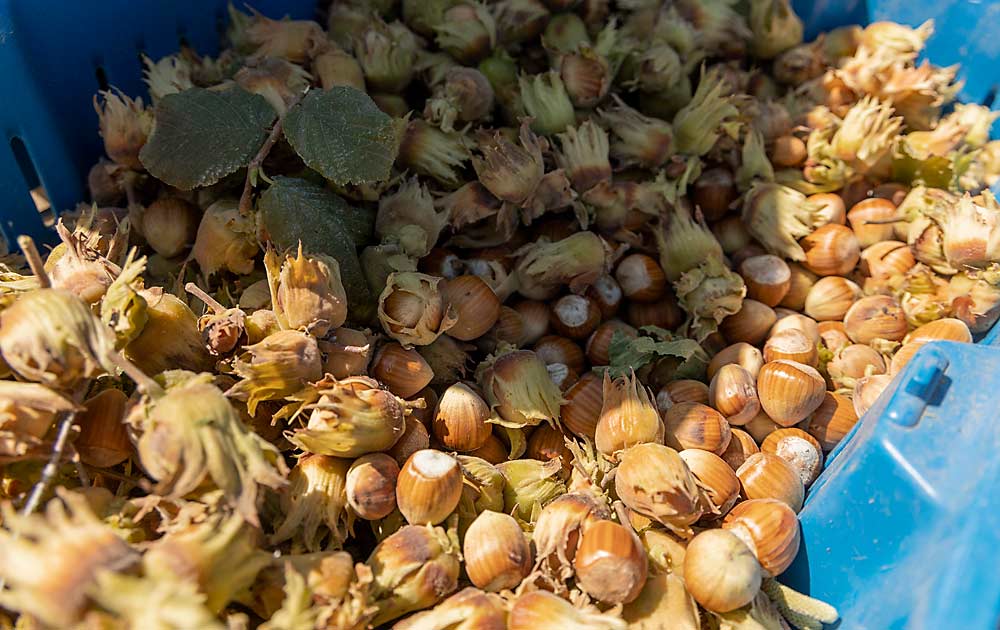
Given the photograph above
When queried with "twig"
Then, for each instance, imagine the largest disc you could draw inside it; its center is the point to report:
(27, 245)
(48, 474)
(258, 160)
(104, 472)
(51, 466)
(202, 295)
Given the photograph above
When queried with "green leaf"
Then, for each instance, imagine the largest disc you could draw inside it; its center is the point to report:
(294, 210)
(359, 222)
(935, 171)
(201, 136)
(632, 353)
(341, 133)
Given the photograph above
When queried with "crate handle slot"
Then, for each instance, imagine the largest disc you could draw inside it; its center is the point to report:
(31, 186)
(922, 384)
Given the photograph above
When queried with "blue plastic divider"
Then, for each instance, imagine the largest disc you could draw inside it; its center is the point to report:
(900, 531)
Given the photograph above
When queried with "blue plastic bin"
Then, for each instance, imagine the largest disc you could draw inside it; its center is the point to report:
(900, 531)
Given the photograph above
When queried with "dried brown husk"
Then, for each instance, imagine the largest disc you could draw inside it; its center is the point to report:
(971, 233)
(975, 297)
(471, 204)
(412, 310)
(294, 40)
(448, 358)
(101, 231)
(508, 170)
(345, 592)
(124, 124)
(414, 568)
(653, 480)
(224, 331)
(78, 267)
(557, 533)
(280, 82)
(553, 194)
(190, 433)
(465, 96)
(27, 411)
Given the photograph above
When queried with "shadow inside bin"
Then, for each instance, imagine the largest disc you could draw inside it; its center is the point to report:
(797, 577)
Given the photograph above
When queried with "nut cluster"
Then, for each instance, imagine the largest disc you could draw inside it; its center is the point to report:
(637, 269)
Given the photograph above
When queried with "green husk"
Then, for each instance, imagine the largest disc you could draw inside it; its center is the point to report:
(518, 388)
(708, 294)
(545, 100)
(315, 504)
(529, 485)
(52, 337)
(684, 243)
(350, 418)
(775, 27)
(275, 368)
(190, 433)
(700, 123)
(777, 216)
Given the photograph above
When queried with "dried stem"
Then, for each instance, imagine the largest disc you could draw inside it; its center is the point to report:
(104, 472)
(246, 208)
(333, 346)
(27, 245)
(81, 472)
(51, 466)
(202, 295)
(622, 512)
(128, 183)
